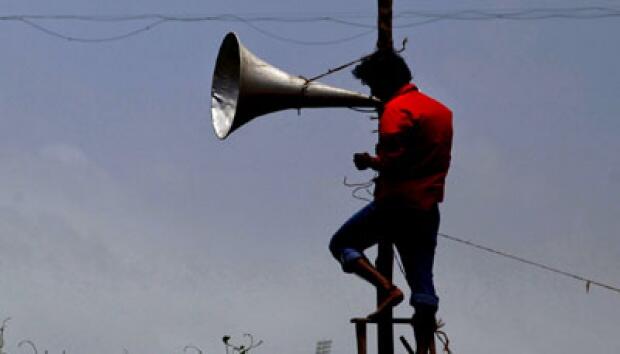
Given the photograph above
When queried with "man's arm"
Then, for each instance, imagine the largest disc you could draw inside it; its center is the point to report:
(392, 155)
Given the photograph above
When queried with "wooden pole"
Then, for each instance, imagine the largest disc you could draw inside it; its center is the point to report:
(360, 334)
(385, 256)
(384, 25)
(385, 327)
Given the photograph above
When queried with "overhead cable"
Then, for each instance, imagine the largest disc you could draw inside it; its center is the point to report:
(349, 20)
(588, 282)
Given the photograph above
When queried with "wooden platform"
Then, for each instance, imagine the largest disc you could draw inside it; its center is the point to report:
(360, 332)
(360, 328)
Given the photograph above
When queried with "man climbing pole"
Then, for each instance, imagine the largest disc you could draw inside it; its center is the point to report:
(412, 160)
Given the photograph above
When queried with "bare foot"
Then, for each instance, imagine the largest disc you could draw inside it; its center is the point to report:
(394, 297)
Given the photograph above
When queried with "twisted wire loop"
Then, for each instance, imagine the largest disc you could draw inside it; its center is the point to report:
(442, 336)
(359, 187)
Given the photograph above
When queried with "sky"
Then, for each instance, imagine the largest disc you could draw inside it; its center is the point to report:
(125, 222)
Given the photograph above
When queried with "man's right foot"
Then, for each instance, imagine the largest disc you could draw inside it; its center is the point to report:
(394, 297)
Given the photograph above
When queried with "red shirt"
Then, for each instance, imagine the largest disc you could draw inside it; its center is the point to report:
(413, 153)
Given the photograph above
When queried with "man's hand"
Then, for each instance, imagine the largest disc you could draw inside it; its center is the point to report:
(362, 160)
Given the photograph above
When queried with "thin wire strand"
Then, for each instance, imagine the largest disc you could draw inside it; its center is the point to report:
(586, 12)
(587, 281)
(160, 19)
(346, 65)
(443, 336)
(250, 24)
(425, 17)
(357, 187)
(93, 40)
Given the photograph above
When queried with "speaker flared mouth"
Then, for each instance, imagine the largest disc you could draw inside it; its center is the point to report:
(225, 86)
(245, 87)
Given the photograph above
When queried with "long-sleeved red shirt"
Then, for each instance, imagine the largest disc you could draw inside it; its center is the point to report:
(414, 149)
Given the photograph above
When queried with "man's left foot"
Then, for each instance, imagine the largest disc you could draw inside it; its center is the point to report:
(394, 297)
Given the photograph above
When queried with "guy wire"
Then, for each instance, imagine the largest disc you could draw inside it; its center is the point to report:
(588, 282)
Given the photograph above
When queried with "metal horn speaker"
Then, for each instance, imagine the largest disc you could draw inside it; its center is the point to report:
(245, 87)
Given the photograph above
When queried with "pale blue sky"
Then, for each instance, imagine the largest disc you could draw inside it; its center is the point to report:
(124, 221)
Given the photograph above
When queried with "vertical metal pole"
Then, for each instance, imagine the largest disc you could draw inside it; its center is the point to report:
(385, 327)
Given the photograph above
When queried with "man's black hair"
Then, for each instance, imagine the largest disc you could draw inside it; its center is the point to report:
(386, 67)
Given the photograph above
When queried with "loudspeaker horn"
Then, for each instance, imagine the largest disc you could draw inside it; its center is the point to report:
(245, 87)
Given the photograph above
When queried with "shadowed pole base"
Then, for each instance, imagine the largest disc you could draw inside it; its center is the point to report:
(361, 330)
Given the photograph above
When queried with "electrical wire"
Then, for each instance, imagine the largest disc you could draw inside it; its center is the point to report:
(92, 40)
(588, 282)
(575, 13)
(158, 19)
(423, 18)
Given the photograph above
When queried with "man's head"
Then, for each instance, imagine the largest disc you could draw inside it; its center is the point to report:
(384, 72)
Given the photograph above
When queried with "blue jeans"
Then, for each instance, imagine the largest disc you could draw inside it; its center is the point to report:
(412, 231)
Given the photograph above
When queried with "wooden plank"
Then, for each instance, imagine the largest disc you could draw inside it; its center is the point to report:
(396, 320)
